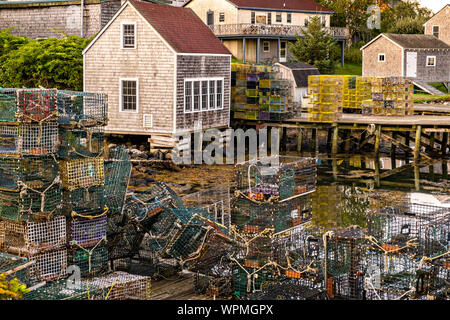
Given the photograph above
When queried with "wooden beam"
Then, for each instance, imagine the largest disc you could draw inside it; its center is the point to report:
(377, 139)
(401, 145)
(299, 139)
(334, 145)
(417, 143)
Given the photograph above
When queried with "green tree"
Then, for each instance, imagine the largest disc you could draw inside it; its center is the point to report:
(405, 17)
(11, 290)
(316, 48)
(9, 42)
(50, 63)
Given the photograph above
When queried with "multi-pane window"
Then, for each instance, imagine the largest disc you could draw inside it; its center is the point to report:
(129, 36)
(269, 18)
(431, 61)
(212, 94)
(219, 94)
(203, 94)
(253, 17)
(436, 31)
(221, 17)
(289, 18)
(278, 17)
(266, 46)
(129, 95)
(381, 57)
(187, 96)
(196, 95)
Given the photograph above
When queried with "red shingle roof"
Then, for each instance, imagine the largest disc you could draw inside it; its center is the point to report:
(181, 28)
(292, 5)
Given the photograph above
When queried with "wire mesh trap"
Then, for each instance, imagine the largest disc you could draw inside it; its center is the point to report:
(30, 204)
(92, 260)
(82, 173)
(87, 201)
(250, 280)
(28, 139)
(48, 266)
(27, 105)
(260, 180)
(34, 172)
(87, 232)
(85, 143)
(123, 286)
(14, 266)
(126, 243)
(32, 237)
(290, 289)
(87, 109)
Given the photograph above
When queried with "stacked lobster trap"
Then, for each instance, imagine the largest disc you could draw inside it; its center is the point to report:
(268, 200)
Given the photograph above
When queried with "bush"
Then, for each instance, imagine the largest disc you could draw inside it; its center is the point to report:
(11, 290)
(50, 63)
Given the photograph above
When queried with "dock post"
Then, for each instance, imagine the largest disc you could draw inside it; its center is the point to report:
(407, 142)
(417, 177)
(335, 169)
(317, 141)
(334, 146)
(417, 143)
(377, 172)
(299, 140)
(348, 136)
(377, 139)
(444, 144)
(284, 138)
(432, 140)
(393, 151)
(313, 139)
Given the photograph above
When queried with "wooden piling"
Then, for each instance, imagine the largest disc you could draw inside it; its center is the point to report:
(299, 140)
(393, 150)
(417, 178)
(348, 136)
(377, 139)
(334, 145)
(417, 143)
(444, 144)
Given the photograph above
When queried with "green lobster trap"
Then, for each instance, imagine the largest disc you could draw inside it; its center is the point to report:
(34, 172)
(249, 280)
(84, 108)
(30, 204)
(82, 173)
(88, 201)
(91, 261)
(14, 267)
(84, 143)
(28, 139)
(28, 105)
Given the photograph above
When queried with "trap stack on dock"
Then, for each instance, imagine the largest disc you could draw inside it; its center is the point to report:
(269, 200)
(81, 117)
(258, 93)
(31, 224)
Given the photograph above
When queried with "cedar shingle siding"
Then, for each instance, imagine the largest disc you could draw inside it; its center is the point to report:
(202, 67)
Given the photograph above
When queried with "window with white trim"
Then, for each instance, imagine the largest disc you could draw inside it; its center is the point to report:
(278, 17)
(431, 61)
(289, 18)
(221, 17)
(129, 94)
(253, 17)
(128, 35)
(203, 94)
(266, 46)
(381, 57)
(436, 31)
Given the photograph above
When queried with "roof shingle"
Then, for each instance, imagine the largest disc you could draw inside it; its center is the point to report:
(181, 28)
(417, 41)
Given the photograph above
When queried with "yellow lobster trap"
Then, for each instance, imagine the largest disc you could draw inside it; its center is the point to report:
(82, 173)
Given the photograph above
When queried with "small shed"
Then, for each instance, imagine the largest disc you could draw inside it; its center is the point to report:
(298, 72)
(422, 58)
(163, 69)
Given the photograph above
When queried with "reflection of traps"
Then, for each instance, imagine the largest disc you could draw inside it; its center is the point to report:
(33, 237)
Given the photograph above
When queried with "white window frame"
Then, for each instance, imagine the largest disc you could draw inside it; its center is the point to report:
(268, 50)
(191, 80)
(121, 35)
(439, 31)
(120, 95)
(384, 57)
(431, 65)
(288, 15)
(222, 14)
(281, 17)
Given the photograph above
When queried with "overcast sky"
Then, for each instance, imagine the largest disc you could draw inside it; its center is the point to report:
(434, 5)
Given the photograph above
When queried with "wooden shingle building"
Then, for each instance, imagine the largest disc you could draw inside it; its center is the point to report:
(422, 58)
(439, 25)
(298, 73)
(163, 69)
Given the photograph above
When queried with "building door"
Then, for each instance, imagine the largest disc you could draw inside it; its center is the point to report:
(411, 64)
(210, 18)
(283, 51)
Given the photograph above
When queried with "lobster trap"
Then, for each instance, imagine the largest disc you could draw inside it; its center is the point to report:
(28, 105)
(87, 109)
(30, 204)
(126, 243)
(344, 263)
(28, 139)
(261, 180)
(14, 266)
(289, 289)
(32, 237)
(117, 176)
(87, 232)
(123, 286)
(48, 266)
(86, 201)
(82, 173)
(91, 261)
(34, 172)
(85, 143)
(247, 280)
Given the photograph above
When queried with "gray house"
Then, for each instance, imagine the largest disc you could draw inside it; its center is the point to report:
(422, 58)
(298, 73)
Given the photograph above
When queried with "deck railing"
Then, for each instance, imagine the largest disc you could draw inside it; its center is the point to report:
(267, 29)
